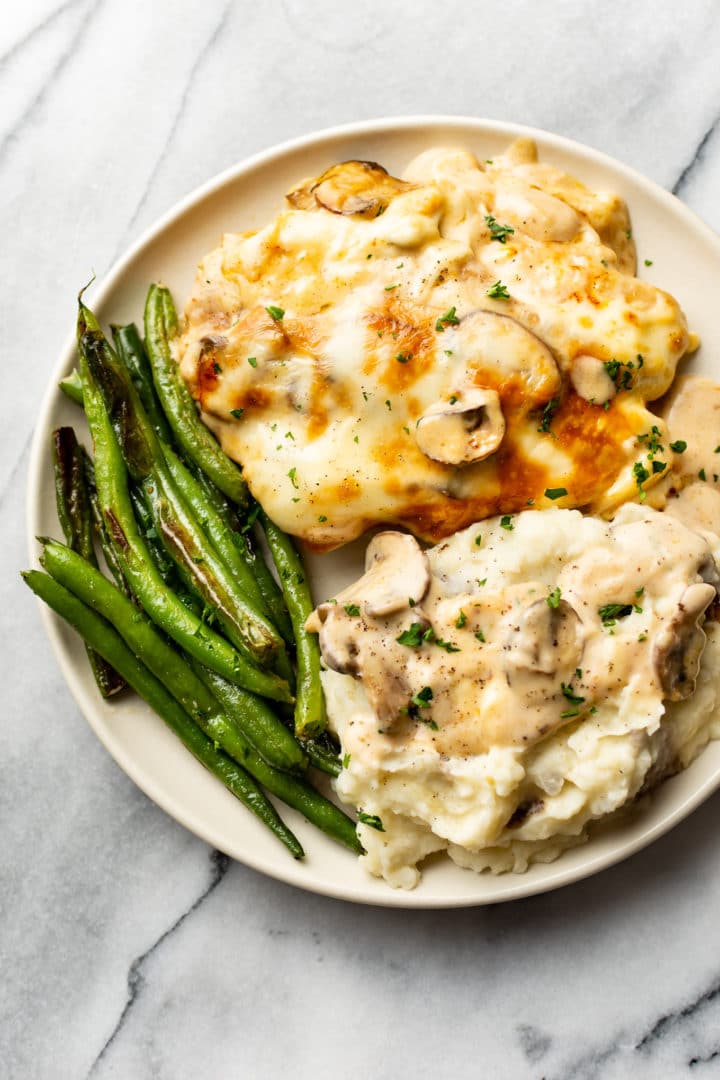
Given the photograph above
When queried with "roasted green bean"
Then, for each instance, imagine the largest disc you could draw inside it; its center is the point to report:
(101, 636)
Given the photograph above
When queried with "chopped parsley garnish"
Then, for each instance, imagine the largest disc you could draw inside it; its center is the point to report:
(568, 713)
(479, 635)
(498, 291)
(389, 288)
(547, 415)
(293, 477)
(322, 518)
(275, 313)
(356, 439)
(216, 368)
(716, 450)
(237, 413)
(702, 475)
(679, 446)
(570, 694)
(652, 440)
(639, 592)
(423, 698)
(555, 493)
(351, 609)
(506, 522)
(446, 645)
(454, 399)
(346, 761)
(252, 361)
(478, 540)
(413, 637)
(497, 231)
(619, 372)
(610, 612)
(388, 405)
(372, 820)
(402, 358)
(641, 474)
(648, 262)
(658, 467)
(448, 319)
(448, 352)
(461, 620)
(554, 598)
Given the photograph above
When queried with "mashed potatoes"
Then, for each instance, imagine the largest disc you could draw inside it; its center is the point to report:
(495, 695)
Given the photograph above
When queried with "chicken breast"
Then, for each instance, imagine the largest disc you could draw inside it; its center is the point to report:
(430, 350)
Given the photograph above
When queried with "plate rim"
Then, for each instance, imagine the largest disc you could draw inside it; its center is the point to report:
(519, 886)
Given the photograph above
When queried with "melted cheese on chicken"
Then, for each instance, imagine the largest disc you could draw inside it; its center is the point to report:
(432, 350)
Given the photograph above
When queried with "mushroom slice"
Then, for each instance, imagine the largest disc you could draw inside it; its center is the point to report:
(498, 349)
(466, 431)
(679, 645)
(352, 187)
(339, 644)
(397, 575)
(547, 642)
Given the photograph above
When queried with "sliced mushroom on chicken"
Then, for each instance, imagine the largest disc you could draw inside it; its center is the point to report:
(501, 351)
(352, 187)
(463, 431)
(680, 644)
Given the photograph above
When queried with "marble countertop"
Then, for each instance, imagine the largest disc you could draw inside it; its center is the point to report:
(129, 949)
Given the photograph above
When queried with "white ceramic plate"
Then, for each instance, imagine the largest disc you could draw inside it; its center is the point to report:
(686, 261)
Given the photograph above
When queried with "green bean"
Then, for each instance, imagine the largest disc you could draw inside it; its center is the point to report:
(71, 386)
(164, 564)
(271, 591)
(73, 509)
(109, 553)
(322, 758)
(217, 530)
(104, 639)
(192, 436)
(247, 628)
(139, 570)
(220, 714)
(256, 721)
(242, 538)
(131, 352)
(310, 718)
(293, 790)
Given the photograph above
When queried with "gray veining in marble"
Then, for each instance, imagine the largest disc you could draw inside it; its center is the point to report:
(128, 949)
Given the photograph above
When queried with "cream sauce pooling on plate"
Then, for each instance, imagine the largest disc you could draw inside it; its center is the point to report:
(462, 664)
(692, 489)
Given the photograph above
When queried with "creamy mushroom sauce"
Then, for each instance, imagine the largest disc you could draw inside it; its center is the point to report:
(691, 491)
(544, 637)
(433, 349)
